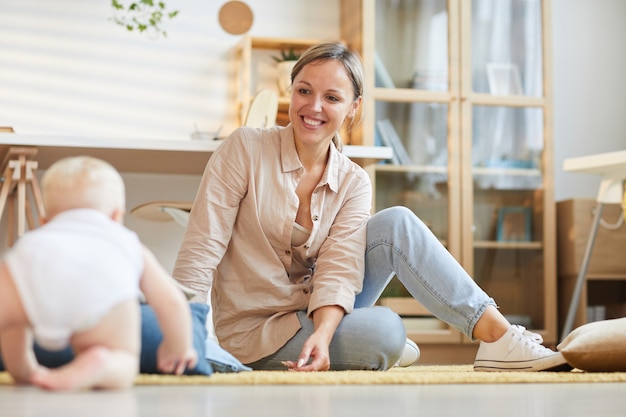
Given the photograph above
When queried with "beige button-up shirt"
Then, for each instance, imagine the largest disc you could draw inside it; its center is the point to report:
(238, 241)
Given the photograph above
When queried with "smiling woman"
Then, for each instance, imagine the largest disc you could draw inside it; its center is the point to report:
(284, 202)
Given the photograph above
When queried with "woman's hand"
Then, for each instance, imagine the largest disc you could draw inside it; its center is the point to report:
(315, 350)
(315, 355)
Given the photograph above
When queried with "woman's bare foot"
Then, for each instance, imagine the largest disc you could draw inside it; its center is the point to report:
(83, 372)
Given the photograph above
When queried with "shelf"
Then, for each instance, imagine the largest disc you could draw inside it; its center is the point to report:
(602, 297)
(509, 172)
(408, 95)
(508, 101)
(243, 53)
(419, 323)
(437, 169)
(281, 43)
(492, 244)
(417, 169)
(600, 276)
(405, 306)
(159, 156)
(606, 277)
(366, 155)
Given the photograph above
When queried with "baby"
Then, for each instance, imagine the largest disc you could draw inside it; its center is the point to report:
(77, 280)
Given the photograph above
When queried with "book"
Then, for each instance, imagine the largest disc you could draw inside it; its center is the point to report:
(383, 78)
(389, 137)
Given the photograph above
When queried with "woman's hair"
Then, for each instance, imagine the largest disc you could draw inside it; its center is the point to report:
(82, 182)
(327, 51)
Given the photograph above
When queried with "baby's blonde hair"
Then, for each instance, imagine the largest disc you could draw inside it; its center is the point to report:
(82, 182)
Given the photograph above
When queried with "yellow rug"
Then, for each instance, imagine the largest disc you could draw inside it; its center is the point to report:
(425, 374)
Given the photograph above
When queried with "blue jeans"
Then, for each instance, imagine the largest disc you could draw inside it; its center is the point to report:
(373, 337)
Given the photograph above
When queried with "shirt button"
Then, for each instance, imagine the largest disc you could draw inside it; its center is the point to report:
(306, 290)
(306, 246)
(315, 218)
(287, 252)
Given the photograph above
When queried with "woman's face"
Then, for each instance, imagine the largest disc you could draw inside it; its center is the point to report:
(322, 97)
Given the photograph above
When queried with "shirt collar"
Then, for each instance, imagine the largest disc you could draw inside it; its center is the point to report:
(290, 160)
(288, 154)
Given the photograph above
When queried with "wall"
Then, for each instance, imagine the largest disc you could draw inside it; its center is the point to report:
(589, 87)
(68, 69)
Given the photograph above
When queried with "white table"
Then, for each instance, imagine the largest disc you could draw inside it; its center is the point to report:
(611, 167)
(162, 156)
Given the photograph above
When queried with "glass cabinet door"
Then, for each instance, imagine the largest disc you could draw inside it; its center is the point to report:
(412, 44)
(504, 147)
(418, 177)
(412, 107)
(413, 104)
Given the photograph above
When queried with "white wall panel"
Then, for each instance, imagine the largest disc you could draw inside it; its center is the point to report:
(66, 68)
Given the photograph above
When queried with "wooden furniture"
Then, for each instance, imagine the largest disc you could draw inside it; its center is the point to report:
(611, 167)
(255, 70)
(464, 94)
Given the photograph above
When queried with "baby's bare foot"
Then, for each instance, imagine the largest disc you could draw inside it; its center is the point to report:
(82, 373)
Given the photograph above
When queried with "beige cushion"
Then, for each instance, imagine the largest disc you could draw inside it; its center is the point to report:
(598, 346)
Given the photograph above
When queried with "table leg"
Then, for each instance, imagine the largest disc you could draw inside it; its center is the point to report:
(580, 281)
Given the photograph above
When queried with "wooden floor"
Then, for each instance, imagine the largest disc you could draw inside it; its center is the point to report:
(503, 400)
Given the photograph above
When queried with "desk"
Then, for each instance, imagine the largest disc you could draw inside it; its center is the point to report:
(611, 167)
(185, 156)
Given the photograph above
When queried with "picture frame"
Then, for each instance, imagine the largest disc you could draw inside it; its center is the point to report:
(514, 224)
(504, 79)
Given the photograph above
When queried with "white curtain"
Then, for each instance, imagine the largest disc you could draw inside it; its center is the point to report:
(507, 33)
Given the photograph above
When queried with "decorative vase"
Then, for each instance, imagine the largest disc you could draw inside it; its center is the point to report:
(284, 76)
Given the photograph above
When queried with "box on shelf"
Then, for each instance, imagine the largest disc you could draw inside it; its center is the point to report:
(574, 218)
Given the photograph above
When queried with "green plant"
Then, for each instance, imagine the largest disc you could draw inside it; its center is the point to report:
(287, 55)
(141, 15)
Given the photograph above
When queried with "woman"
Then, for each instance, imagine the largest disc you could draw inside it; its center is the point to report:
(281, 233)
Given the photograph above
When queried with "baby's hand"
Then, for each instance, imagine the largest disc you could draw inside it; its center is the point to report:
(175, 362)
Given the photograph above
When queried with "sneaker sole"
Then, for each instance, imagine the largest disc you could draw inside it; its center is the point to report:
(554, 363)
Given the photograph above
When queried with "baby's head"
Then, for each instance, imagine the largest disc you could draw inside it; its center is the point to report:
(83, 182)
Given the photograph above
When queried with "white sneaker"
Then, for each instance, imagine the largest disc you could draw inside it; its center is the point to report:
(518, 350)
(410, 354)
